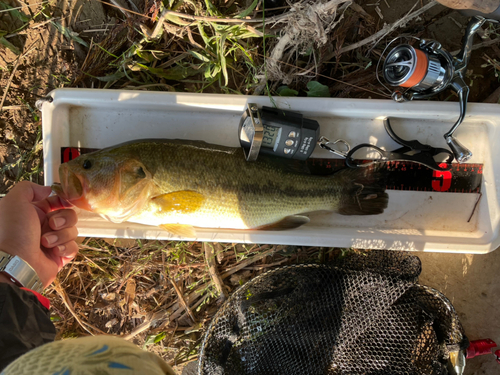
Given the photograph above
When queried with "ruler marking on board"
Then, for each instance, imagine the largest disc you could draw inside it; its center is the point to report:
(403, 176)
(408, 176)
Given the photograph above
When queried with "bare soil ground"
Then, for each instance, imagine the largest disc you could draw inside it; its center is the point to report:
(125, 287)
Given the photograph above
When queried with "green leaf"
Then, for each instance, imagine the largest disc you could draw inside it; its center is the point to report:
(112, 77)
(212, 71)
(145, 55)
(235, 31)
(177, 20)
(200, 56)
(249, 10)
(224, 70)
(223, 62)
(211, 9)
(150, 340)
(68, 33)
(316, 89)
(4, 42)
(245, 52)
(14, 12)
(160, 337)
(154, 339)
(204, 35)
(286, 91)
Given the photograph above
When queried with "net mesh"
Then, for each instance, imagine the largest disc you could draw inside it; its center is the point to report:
(363, 315)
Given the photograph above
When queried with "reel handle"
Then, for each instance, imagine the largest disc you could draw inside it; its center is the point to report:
(462, 154)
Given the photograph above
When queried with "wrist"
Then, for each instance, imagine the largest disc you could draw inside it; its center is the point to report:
(21, 273)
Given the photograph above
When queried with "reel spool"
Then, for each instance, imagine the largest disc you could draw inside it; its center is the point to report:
(413, 68)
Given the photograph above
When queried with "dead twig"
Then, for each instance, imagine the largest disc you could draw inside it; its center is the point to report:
(14, 107)
(24, 31)
(122, 7)
(357, 8)
(23, 6)
(475, 206)
(212, 269)
(386, 29)
(182, 300)
(150, 320)
(263, 266)
(18, 61)
(247, 262)
(195, 306)
(125, 10)
(486, 37)
(194, 295)
(69, 305)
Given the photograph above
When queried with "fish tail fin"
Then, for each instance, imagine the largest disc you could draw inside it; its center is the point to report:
(363, 192)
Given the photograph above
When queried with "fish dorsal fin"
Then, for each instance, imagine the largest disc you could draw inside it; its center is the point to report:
(180, 230)
(181, 202)
(289, 222)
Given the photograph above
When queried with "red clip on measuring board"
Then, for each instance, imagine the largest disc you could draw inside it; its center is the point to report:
(462, 178)
(70, 153)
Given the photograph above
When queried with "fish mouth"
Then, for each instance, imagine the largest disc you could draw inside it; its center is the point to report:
(71, 185)
(71, 188)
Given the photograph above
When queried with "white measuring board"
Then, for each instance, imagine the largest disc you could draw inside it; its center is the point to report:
(426, 221)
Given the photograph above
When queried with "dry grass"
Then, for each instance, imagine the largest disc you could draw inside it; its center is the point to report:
(125, 288)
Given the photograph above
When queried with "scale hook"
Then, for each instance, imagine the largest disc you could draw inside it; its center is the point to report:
(323, 142)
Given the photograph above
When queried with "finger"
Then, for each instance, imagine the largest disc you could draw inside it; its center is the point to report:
(53, 239)
(66, 252)
(62, 219)
(52, 204)
(30, 192)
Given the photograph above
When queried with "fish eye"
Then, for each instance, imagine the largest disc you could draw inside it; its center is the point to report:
(87, 164)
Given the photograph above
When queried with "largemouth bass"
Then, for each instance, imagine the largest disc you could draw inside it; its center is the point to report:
(179, 185)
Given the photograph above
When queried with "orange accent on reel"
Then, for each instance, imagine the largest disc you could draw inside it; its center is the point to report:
(420, 70)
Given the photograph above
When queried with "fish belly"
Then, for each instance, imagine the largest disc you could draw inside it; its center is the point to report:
(229, 211)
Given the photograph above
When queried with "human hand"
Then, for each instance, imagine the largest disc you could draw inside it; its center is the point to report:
(38, 228)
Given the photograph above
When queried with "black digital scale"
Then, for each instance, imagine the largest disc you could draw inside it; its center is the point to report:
(277, 132)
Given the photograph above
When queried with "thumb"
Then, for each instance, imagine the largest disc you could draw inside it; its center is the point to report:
(28, 191)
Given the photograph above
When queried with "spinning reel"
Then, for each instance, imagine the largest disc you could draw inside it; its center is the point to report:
(427, 70)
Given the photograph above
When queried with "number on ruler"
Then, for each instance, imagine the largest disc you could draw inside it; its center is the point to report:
(441, 181)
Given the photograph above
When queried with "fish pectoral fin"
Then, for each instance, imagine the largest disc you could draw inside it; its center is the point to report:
(182, 202)
(180, 230)
(289, 222)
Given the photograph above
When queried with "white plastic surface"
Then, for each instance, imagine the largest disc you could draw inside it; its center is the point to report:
(426, 221)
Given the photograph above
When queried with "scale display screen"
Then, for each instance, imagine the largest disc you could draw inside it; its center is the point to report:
(277, 132)
(271, 136)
